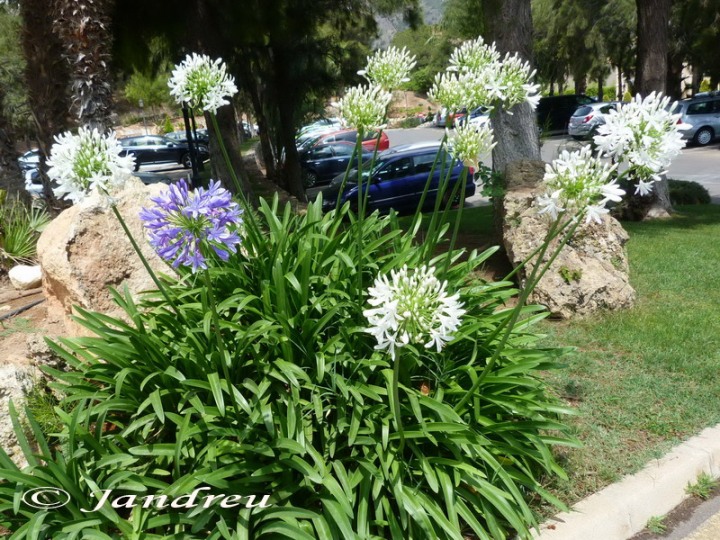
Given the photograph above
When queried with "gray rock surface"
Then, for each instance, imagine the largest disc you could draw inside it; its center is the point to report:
(591, 273)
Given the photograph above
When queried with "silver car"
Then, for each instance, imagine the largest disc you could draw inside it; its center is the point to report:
(586, 119)
(701, 116)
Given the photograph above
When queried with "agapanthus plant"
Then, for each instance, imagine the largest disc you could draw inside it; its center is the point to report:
(578, 183)
(467, 142)
(645, 134)
(184, 226)
(87, 161)
(364, 107)
(478, 76)
(389, 68)
(413, 306)
(202, 82)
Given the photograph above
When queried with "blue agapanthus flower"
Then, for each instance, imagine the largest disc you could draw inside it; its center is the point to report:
(184, 225)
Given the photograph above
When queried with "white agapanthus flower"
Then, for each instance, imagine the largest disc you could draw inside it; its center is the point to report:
(467, 142)
(645, 134)
(579, 183)
(474, 56)
(87, 161)
(389, 68)
(479, 76)
(202, 82)
(413, 306)
(364, 107)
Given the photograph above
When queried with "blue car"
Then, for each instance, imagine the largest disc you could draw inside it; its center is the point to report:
(398, 178)
(323, 162)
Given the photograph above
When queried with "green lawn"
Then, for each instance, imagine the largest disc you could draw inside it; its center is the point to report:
(644, 379)
(647, 378)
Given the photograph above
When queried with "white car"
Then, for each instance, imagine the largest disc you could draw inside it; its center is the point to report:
(586, 119)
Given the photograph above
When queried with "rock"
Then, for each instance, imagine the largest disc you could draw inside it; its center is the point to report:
(84, 251)
(25, 277)
(15, 382)
(591, 273)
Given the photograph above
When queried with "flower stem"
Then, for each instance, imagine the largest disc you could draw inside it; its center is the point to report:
(396, 403)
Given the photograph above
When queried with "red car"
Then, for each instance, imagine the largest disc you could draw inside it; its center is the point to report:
(350, 135)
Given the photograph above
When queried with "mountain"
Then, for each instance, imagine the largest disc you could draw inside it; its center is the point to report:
(389, 26)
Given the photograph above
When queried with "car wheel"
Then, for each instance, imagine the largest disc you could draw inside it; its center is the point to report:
(185, 160)
(704, 136)
(309, 178)
(137, 164)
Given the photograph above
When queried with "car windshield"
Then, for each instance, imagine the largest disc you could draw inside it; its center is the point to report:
(583, 111)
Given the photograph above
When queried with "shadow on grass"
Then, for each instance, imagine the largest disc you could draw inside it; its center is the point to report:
(685, 217)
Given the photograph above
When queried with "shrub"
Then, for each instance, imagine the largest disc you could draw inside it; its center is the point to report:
(20, 227)
(688, 192)
(285, 395)
(410, 122)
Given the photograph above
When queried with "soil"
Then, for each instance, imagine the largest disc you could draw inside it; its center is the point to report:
(14, 329)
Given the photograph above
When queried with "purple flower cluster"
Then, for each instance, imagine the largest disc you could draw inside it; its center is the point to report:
(183, 225)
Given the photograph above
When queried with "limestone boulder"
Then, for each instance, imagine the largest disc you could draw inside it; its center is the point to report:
(590, 274)
(84, 251)
(15, 382)
(24, 277)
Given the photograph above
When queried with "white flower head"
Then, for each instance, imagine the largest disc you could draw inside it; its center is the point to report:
(644, 133)
(389, 68)
(474, 55)
(412, 306)
(467, 143)
(202, 82)
(87, 161)
(515, 76)
(580, 183)
(364, 107)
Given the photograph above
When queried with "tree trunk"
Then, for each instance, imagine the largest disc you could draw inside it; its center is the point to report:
(509, 25)
(697, 78)
(11, 178)
(653, 31)
(620, 90)
(601, 90)
(83, 26)
(674, 78)
(227, 124)
(581, 85)
(47, 79)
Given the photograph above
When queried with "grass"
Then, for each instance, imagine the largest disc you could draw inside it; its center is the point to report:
(14, 325)
(703, 488)
(644, 379)
(656, 525)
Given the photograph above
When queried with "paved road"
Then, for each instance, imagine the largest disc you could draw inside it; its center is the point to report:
(700, 164)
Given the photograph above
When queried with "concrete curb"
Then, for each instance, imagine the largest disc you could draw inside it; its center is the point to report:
(622, 509)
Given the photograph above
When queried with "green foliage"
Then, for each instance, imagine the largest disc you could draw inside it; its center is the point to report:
(283, 394)
(41, 402)
(411, 122)
(656, 525)
(569, 275)
(167, 126)
(20, 227)
(688, 192)
(703, 488)
(152, 90)
(431, 46)
(13, 93)
(705, 86)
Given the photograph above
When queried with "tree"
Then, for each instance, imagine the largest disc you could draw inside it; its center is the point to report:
(509, 25)
(46, 78)
(83, 27)
(431, 47)
(653, 18)
(13, 100)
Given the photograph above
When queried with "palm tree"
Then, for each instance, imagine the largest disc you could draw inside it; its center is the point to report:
(83, 27)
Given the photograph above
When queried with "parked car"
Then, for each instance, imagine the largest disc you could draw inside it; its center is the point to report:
(476, 117)
(33, 183)
(29, 160)
(323, 162)
(701, 115)
(305, 140)
(202, 136)
(587, 118)
(398, 179)
(553, 112)
(319, 124)
(159, 149)
(441, 118)
(370, 141)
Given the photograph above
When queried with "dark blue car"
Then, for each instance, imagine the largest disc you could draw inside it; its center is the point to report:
(323, 162)
(398, 179)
